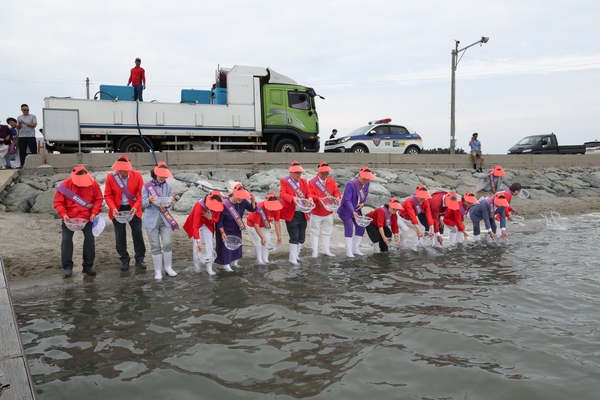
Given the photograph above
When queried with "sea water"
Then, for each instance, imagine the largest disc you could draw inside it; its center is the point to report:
(476, 322)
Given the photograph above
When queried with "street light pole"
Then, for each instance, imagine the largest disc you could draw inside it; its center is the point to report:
(455, 60)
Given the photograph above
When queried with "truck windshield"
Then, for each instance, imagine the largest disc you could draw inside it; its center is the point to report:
(530, 140)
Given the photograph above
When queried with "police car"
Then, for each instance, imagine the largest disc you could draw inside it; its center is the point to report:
(378, 137)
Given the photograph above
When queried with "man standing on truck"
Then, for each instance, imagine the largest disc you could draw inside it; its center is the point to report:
(137, 78)
(476, 152)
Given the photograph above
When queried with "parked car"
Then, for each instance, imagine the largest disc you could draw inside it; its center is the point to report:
(378, 137)
(544, 144)
(592, 147)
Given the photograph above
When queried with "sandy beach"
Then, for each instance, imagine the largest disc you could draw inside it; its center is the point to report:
(30, 244)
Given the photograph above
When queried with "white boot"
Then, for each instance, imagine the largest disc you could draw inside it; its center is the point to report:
(326, 239)
(235, 264)
(452, 239)
(356, 245)
(298, 251)
(259, 254)
(157, 261)
(314, 241)
(227, 268)
(169, 264)
(265, 254)
(348, 241)
(209, 269)
(376, 247)
(477, 238)
(293, 253)
(460, 237)
(415, 244)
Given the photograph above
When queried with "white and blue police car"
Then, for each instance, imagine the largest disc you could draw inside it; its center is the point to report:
(378, 137)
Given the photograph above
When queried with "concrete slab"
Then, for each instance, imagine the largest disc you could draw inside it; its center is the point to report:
(7, 176)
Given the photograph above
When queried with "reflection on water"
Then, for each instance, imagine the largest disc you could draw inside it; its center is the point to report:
(517, 321)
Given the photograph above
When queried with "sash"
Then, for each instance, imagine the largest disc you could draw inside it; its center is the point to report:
(320, 186)
(124, 189)
(362, 196)
(263, 216)
(234, 213)
(490, 202)
(205, 208)
(388, 219)
(163, 210)
(416, 204)
(463, 210)
(492, 183)
(69, 194)
(295, 187)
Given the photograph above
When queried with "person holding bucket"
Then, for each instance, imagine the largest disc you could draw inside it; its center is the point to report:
(78, 196)
(453, 219)
(261, 223)
(231, 223)
(157, 195)
(123, 194)
(321, 219)
(412, 208)
(201, 221)
(486, 211)
(384, 223)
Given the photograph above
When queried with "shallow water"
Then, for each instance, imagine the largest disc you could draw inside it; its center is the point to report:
(494, 322)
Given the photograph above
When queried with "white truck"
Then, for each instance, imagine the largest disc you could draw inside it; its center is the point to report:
(247, 108)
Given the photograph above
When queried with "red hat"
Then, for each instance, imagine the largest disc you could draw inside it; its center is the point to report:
(366, 173)
(422, 193)
(240, 192)
(470, 197)
(162, 170)
(498, 171)
(214, 201)
(500, 200)
(272, 203)
(81, 177)
(122, 164)
(324, 167)
(395, 204)
(452, 201)
(295, 167)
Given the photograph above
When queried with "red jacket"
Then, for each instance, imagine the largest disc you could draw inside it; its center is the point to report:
(137, 76)
(455, 217)
(438, 209)
(196, 220)
(254, 218)
(378, 216)
(65, 206)
(315, 193)
(287, 195)
(113, 193)
(409, 211)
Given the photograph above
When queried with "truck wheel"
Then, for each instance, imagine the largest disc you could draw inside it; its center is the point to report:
(133, 145)
(359, 148)
(287, 146)
(412, 150)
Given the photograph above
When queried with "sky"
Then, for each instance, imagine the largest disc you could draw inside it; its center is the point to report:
(539, 72)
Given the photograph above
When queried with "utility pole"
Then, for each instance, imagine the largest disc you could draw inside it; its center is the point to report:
(87, 87)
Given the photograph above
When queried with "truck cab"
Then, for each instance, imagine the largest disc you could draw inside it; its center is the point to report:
(544, 144)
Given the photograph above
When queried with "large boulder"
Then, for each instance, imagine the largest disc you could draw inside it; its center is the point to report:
(35, 183)
(44, 203)
(263, 181)
(20, 197)
(188, 199)
(226, 176)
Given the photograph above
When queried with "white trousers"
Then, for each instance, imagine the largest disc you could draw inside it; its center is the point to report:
(208, 247)
(323, 223)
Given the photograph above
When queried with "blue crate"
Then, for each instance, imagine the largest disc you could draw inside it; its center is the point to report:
(219, 96)
(193, 96)
(110, 92)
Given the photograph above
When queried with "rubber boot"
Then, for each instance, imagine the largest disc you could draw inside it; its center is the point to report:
(477, 238)
(293, 253)
(227, 268)
(259, 254)
(298, 251)
(209, 269)
(169, 264)
(348, 241)
(314, 240)
(356, 245)
(452, 239)
(460, 237)
(235, 264)
(376, 247)
(326, 239)
(415, 244)
(157, 261)
(265, 254)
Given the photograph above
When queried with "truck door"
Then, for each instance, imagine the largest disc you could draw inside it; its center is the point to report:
(301, 111)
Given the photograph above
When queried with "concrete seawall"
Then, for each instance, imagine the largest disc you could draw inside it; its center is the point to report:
(261, 160)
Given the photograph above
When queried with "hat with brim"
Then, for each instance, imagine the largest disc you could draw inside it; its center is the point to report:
(81, 177)
(122, 164)
(324, 167)
(295, 167)
(240, 192)
(422, 193)
(162, 170)
(366, 173)
(498, 171)
(500, 200)
(452, 201)
(214, 201)
(470, 197)
(272, 203)
(395, 204)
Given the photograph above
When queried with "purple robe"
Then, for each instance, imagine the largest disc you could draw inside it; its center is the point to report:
(228, 223)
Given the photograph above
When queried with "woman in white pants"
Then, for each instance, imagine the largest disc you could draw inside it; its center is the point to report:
(411, 208)
(260, 223)
(321, 219)
(454, 218)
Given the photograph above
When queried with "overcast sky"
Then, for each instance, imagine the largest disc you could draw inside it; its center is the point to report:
(539, 72)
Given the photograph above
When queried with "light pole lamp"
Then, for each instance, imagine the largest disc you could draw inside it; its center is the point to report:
(455, 52)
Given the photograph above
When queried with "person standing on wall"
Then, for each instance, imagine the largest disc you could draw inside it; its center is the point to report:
(137, 78)
(476, 152)
(26, 124)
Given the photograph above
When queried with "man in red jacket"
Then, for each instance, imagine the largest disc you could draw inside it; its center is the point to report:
(319, 187)
(137, 78)
(294, 189)
(123, 193)
(79, 196)
(411, 208)
(439, 203)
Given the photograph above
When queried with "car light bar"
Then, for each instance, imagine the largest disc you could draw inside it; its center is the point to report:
(381, 121)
